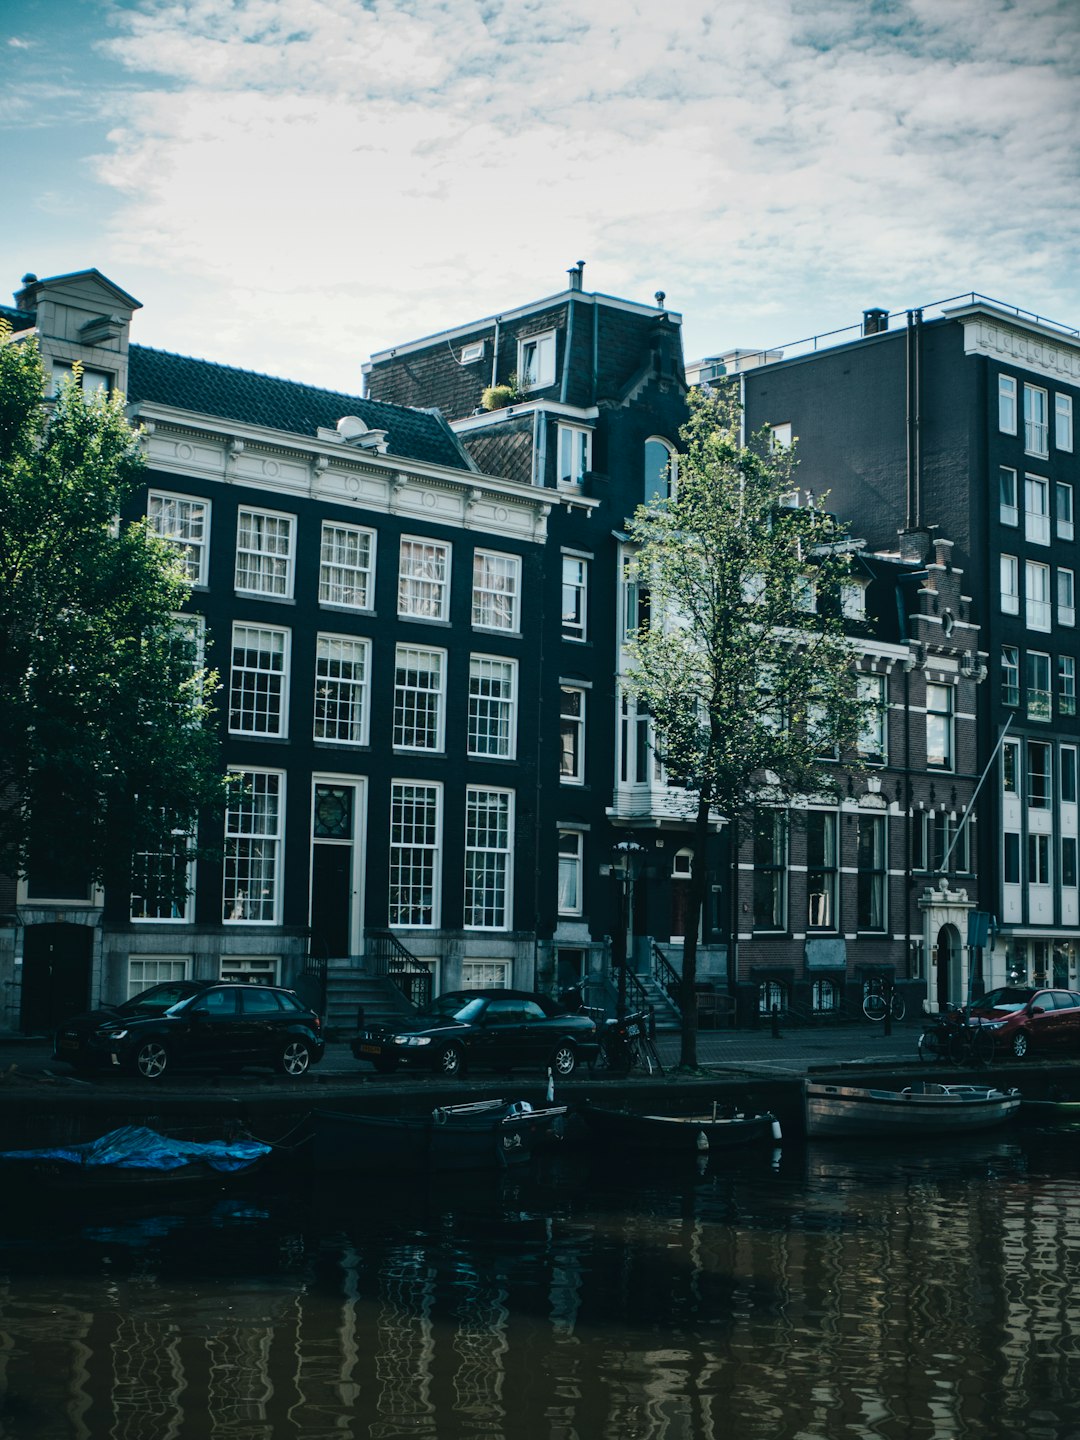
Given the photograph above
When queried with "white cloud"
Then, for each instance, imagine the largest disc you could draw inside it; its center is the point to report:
(326, 177)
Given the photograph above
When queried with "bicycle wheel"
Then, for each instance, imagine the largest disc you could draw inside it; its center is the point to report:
(982, 1046)
(932, 1046)
(958, 1046)
(898, 1006)
(873, 1005)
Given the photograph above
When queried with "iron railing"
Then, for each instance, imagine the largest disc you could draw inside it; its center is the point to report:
(388, 958)
(667, 976)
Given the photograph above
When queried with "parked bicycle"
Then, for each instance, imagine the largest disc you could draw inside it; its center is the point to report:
(625, 1045)
(880, 999)
(950, 1038)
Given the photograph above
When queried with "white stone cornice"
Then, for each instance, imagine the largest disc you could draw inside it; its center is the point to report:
(178, 443)
(1056, 357)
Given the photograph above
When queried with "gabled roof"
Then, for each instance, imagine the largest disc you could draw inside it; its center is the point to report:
(252, 399)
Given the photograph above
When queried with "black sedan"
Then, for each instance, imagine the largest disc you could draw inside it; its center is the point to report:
(484, 1029)
(195, 1024)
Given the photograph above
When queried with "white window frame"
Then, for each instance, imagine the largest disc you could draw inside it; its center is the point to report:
(265, 553)
(1066, 596)
(1063, 422)
(804, 594)
(252, 697)
(347, 566)
(1037, 509)
(572, 728)
(1038, 699)
(140, 975)
(489, 858)
(822, 905)
(853, 599)
(1066, 684)
(660, 486)
(1037, 595)
(571, 869)
(183, 521)
(254, 848)
(536, 361)
(1010, 666)
(496, 591)
(415, 854)
(1009, 566)
(1007, 413)
(342, 689)
(873, 738)
(1008, 495)
(940, 717)
(1064, 510)
(574, 455)
(1010, 748)
(1036, 421)
(419, 705)
(492, 720)
(423, 578)
(182, 911)
(575, 597)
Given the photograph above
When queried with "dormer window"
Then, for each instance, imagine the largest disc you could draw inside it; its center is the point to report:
(853, 600)
(575, 454)
(92, 380)
(536, 361)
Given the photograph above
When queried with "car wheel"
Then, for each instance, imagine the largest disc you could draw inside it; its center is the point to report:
(564, 1060)
(1020, 1044)
(295, 1058)
(151, 1060)
(451, 1061)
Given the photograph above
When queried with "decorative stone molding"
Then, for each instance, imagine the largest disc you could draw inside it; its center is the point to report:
(1054, 359)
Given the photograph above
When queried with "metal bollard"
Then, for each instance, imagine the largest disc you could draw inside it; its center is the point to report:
(776, 1022)
(888, 1012)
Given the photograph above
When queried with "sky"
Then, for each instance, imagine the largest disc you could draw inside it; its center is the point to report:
(291, 185)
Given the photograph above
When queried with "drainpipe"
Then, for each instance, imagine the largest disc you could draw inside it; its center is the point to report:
(913, 419)
(495, 354)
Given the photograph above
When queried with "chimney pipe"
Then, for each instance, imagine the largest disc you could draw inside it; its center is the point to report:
(875, 322)
(575, 273)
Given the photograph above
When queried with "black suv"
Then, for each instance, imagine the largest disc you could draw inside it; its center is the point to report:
(195, 1024)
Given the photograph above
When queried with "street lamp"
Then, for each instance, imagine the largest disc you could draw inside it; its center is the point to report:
(626, 859)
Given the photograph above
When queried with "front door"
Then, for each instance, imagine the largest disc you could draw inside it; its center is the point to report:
(332, 861)
(948, 957)
(57, 962)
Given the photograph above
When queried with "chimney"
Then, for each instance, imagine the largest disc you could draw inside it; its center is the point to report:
(575, 273)
(875, 321)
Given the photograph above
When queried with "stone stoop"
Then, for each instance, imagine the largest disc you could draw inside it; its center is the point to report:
(349, 990)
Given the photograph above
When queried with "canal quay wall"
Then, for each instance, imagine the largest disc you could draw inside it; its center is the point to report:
(43, 1104)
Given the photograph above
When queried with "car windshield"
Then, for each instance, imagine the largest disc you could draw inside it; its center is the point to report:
(1009, 997)
(156, 1000)
(454, 1007)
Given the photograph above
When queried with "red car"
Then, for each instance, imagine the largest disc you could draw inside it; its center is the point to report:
(1026, 1021)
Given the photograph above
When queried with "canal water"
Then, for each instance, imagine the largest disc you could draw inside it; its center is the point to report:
(830, 1292)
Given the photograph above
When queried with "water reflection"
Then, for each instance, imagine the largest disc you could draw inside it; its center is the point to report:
(846, 1292)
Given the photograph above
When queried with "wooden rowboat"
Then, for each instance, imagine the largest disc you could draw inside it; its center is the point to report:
(918, 1111)
(700, 1134)
(482, 1135)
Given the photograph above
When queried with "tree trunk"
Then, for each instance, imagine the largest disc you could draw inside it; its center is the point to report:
(695, 907)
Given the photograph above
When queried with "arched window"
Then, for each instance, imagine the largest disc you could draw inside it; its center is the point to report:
(826, 997)
(770, 993)
(661, 469)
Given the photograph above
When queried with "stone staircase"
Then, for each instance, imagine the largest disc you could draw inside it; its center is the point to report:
(349, 990)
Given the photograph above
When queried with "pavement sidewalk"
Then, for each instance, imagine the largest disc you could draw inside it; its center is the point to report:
(754, 1052)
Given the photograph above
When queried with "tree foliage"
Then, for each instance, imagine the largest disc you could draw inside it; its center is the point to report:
(744, 665)
(106, 740)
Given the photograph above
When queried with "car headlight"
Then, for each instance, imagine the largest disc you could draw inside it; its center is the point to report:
(991, 1024)
(114, 1035)
(412, 1039)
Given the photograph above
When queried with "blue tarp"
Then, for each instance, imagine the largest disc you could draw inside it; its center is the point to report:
(134, 1147)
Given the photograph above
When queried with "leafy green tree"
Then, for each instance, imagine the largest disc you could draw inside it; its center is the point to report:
(744, 666)
(107, 746)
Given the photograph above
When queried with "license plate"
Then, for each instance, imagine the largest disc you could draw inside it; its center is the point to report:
(366, 1049)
